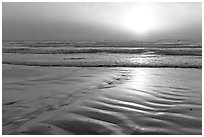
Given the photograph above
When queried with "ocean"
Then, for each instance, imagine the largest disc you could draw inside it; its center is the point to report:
(163, 53)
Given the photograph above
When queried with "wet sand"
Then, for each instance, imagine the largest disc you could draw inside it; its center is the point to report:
(62, 100)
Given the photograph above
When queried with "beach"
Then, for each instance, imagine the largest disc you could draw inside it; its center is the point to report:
(93, 100)
(102, 68)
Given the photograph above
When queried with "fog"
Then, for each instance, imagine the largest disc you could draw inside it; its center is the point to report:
(101, 21)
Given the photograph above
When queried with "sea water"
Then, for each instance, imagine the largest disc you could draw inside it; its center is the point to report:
(163, 53)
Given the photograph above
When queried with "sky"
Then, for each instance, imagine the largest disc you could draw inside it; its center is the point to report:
(101, 21)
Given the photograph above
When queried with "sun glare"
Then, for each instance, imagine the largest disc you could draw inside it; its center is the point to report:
(140, 20)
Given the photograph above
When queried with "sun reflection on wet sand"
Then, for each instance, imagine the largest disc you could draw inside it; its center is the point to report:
(140, 79)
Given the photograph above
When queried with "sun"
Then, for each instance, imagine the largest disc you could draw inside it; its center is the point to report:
(140, 20)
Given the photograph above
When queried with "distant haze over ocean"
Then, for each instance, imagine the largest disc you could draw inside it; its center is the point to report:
(101, 21)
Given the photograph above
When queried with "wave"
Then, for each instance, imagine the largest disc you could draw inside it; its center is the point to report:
(94, 44)
(157, 51)
(105, 64)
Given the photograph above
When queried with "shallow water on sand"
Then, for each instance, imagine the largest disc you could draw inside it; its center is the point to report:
(101, 100)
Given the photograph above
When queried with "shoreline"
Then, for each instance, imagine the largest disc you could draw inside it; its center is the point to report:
(98, 66)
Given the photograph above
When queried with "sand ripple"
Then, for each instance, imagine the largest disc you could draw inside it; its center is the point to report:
(135, 101)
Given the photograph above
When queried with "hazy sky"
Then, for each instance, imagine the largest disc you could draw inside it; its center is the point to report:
(101, 21)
